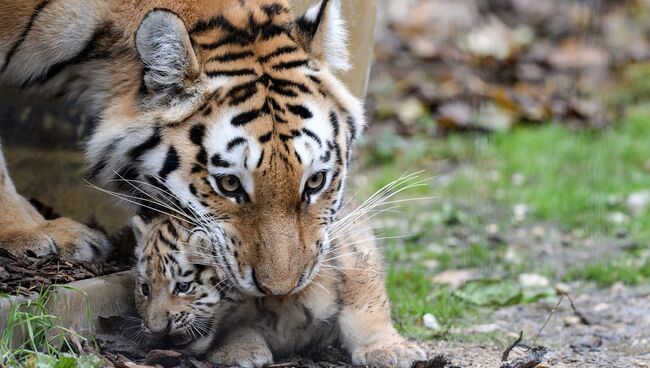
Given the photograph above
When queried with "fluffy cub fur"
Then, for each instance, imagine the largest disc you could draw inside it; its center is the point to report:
(346, 303)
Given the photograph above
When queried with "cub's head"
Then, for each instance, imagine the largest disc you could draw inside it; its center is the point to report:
(249, 132)
(181, 302)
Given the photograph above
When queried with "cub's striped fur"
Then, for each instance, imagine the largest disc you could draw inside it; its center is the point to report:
(180, 299)
(346, 303)
(224, 113)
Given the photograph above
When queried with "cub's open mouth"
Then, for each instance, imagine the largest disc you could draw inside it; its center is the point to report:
(181, 341)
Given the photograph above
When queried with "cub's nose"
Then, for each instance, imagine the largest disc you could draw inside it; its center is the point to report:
(159, 327)
(274, 287)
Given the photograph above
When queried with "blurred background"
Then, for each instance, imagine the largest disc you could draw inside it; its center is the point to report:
(528, 121)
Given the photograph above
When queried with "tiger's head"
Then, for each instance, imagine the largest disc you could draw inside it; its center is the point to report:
(248, 132)
(180, 299)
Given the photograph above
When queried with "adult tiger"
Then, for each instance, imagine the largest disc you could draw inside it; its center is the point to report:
(229, 107)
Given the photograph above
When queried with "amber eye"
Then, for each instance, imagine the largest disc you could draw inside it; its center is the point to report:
(145, 289)
(182, 287)
(229, 184)
(315, 183)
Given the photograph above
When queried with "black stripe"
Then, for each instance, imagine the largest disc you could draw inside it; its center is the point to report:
(259, 162)
(23, 35)
(352, 127)
(231, 56)
(235, 142)
(172, 162)
(197, 133)
(290, 64)
(313, 136)
(266, 137)
(104, 157)
(219, 162)
(145, 146)
(334, 120)
(301, 111)
(246, 117)
(278, 52)
(215, 22)
(230, 73)
(241, 93)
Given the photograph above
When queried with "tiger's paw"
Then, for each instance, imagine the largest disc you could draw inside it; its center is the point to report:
(400, 353)
(64, 237)
(242, 356)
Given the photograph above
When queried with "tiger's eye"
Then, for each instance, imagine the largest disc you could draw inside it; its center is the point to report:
(182, 287)
(145, 289)
(316, 181)
(229, 184)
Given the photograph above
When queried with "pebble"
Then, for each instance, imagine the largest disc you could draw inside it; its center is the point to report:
(543, 365)
(533, 280)
(571, 320)
(638, 202)
(601, 307)
(492, 229)
(431, 322)
(520, 212)
(538, 232)
(454, 278)
(562, 288)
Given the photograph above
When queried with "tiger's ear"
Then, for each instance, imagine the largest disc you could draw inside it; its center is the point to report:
(165, 49)
(322, 32)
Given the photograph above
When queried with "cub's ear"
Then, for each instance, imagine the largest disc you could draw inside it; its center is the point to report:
(322, 32)
(166, 52)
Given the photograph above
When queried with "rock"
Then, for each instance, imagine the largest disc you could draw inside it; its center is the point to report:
(571, 320)
(164, 358)
(520, 212)
(618, 218)
(454, 278)
(538, 232)
(486, 328)
(533, 280)
(601, 307)
(638, 202)
(430, 322)
(492, 229)
(410, 110)
(562, 288)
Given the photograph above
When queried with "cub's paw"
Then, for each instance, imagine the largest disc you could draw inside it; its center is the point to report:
(245, 356)
(401, 354)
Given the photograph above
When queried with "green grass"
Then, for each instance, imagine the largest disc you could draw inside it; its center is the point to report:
(574, 179)
(35, 338)
(607, 273)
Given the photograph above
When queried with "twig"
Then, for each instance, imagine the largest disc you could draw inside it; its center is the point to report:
(506, 354)
(548, 319)
(578, 314)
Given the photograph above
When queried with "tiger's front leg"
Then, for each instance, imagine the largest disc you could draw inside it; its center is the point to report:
(23, 229)
(365, 323)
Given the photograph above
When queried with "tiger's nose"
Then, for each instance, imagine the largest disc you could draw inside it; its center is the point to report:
(285, 287)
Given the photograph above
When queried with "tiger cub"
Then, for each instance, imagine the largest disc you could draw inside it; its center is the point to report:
(346, 303)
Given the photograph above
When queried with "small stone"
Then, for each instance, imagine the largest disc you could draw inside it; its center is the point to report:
(538, 232)
(601, 307)
(520, 212)
(486, 328)
(454, 278)
(562, 288)
(533, 280)
(410, 110)
(543, 365)
(492, 229)
(618, 218)
(518, 179)
(638, 202)
(571, 320)
(431, 322)
(640, 364)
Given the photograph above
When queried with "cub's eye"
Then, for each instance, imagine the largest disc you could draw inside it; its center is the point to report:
(145, 289)
(315, 183)
(229, 184)
(182, 287)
